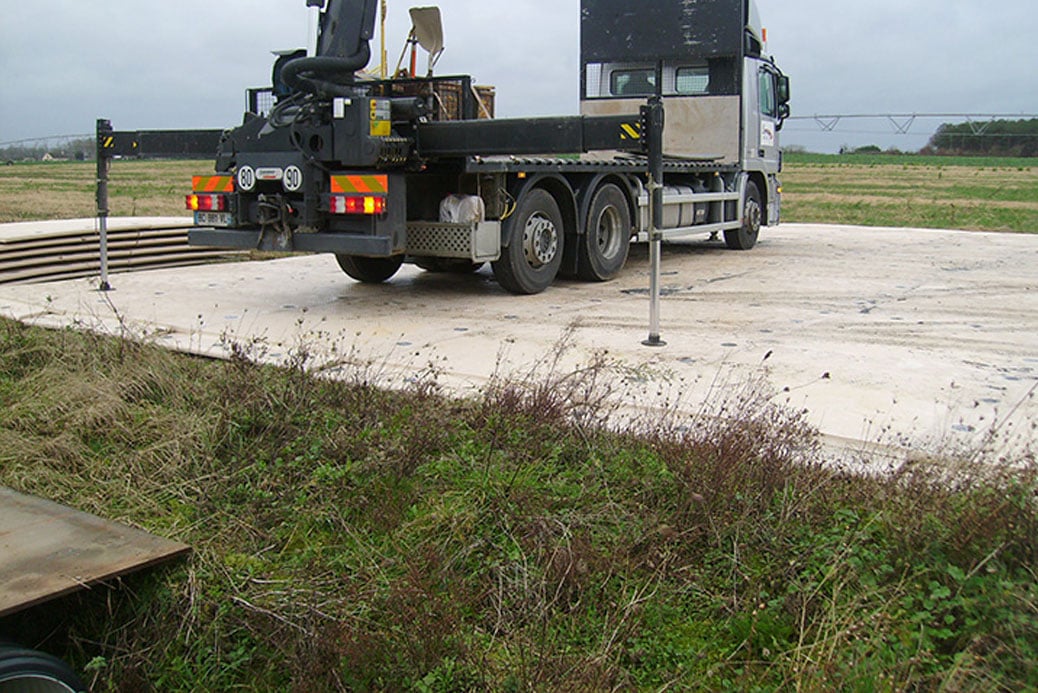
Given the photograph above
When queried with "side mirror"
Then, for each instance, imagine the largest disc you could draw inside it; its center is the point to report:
(783, 99)
(783, 91)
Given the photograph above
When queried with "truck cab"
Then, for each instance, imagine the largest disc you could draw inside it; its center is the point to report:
(724, 100)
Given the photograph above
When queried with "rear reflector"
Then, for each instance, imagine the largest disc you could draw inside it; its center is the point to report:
(206, 203)
(357, 204)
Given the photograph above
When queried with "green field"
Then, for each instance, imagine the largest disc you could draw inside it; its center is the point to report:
(912, 191)
(870, 190)
(67, 190)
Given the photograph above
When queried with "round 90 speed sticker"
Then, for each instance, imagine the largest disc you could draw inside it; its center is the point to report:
(293, 179)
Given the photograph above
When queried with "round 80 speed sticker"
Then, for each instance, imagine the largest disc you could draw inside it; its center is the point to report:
(246, 178)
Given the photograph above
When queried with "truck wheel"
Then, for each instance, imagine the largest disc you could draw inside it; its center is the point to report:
(602, 249)
(370, 270)
(531, 260)
(28, 670)
(745, 237)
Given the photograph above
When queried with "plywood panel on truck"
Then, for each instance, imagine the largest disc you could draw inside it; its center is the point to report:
(700, 127)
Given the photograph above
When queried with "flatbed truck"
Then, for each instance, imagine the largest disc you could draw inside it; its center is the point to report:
(410, 169)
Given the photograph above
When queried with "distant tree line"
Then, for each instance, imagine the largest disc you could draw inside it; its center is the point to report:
(77, 150)
(1018, 138)
(871, 149)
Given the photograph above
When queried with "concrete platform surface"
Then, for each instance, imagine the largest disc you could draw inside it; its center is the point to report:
(885, 335)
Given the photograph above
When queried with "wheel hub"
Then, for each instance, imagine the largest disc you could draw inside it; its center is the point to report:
(753, 215)
(540, 240)
(608, 233)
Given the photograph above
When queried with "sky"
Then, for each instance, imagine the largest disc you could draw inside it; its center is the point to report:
(187, 63)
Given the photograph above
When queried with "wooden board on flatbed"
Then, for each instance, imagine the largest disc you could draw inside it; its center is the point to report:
(48, 550)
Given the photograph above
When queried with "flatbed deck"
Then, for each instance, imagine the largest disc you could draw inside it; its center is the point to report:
(629, 163)
(49, 550)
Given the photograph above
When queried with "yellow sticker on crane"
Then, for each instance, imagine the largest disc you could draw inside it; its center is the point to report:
(630, 131)
(381, 118)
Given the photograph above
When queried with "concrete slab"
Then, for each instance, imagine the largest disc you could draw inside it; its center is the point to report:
(30, 230)
(893, 335)
(49, 550)
(33, 252)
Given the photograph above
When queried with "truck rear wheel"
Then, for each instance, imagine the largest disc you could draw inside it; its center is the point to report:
(532, 258)
(745, 237)
(602, 249)
(370, 270)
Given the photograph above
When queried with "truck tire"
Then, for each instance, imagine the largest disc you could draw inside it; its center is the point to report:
(602, 249)
(35, 672)
(745, 237)
(532, 258)
(370, 270)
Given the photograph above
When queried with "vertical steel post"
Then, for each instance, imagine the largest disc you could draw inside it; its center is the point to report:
(104, 144)
(652, 131)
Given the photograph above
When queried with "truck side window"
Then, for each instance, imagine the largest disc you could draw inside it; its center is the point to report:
(692, 80)
(632, 82)
(768, 102)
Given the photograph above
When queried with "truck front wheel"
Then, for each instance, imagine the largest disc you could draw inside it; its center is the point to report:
(530, 261)
(370, 270)
(602, 250)
(745, 237)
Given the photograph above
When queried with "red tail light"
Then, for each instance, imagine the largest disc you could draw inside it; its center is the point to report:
(372, 205)
(206, 203)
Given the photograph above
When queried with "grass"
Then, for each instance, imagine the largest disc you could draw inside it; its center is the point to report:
(68, 190)
(350, 537)
(972, 193)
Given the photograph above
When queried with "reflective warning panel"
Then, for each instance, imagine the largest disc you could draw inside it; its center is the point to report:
(212, 184)
(347, 183)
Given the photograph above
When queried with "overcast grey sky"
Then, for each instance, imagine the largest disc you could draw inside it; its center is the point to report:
(186, 63)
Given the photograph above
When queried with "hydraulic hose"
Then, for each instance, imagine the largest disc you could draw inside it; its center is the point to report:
(324, 75)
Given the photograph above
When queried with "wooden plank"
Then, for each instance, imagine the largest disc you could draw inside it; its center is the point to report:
(29, 230)
(48, 550)
(91, 239)
(86, 269)
(64, 254)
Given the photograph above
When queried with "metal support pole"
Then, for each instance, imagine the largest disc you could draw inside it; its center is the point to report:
(652, 131)
(104, 144)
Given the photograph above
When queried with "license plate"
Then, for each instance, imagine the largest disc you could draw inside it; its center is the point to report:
(212, 219)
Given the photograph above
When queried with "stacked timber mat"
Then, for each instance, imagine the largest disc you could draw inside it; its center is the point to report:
(51, 250)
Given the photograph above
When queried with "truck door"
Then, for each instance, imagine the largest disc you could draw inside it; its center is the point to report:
(769, 117)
